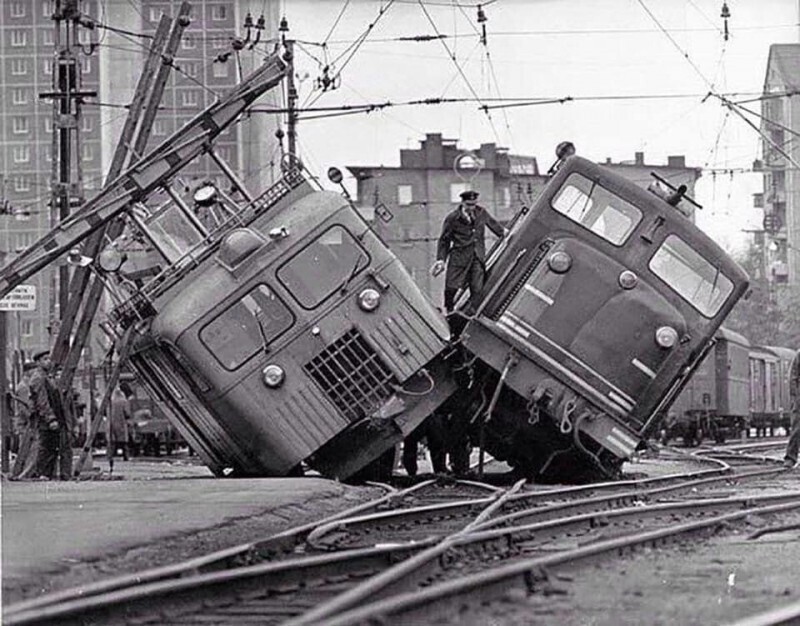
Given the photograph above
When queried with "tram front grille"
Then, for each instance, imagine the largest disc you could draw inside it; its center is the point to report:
(352, 375)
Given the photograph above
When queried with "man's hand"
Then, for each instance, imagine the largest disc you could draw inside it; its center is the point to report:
(437, 268)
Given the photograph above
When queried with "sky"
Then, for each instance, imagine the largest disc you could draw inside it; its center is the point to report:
(639, 71)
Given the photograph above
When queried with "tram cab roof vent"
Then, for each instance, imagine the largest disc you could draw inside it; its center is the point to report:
(674, 196)
(237, 246)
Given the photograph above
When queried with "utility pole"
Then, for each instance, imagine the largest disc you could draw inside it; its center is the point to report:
(291, 92)
(66, 183)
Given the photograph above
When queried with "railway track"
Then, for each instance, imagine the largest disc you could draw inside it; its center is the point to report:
(318, 565)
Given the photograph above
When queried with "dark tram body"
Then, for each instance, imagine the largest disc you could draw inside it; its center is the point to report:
(603, 300)
(289, 335)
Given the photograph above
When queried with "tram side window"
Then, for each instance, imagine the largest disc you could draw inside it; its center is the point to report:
(247, 327)
(594, 207)
(323, 267)
(173, 233)
(691, 276)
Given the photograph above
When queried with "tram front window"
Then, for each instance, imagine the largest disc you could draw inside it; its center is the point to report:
(326, 265)
(247, 327)
(691, 276)
(594, 207)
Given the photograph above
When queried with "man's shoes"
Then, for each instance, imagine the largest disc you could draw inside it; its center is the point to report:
(789, 463)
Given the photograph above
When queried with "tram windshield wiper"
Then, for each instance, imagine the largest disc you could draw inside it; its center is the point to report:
(713, 286)
(262, 331)
(351, 275)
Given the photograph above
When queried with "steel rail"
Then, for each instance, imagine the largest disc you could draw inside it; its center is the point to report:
(447, 598)
(256, 583)
(101, 601)
(787, 614)
(614, 500)
(271, 547)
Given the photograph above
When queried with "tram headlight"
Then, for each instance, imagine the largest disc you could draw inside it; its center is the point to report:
(559, 262)
(666, 337)
(627, 279)
(369, 299)
(273, 375)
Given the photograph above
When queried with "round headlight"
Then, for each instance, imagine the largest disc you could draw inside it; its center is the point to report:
(627, 279)
(559, 262)
(369, 299)
(273, 375)
(666, 337)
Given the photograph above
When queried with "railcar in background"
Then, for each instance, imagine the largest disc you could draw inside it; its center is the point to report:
(282, 331)
(749, 390)
(715, 403)
(601, 303)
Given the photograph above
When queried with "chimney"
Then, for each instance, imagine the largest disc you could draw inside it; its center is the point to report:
(676, 161)
(639, 158)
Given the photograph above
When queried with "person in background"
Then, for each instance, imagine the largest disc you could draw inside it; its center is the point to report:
(118, 415)
(462, 247)
(25, 463)
(793, 447)
(49, 415)
(432, 429)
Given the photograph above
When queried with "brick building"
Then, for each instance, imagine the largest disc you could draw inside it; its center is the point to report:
(780, 200)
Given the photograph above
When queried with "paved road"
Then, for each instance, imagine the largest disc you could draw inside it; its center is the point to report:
(46, 525)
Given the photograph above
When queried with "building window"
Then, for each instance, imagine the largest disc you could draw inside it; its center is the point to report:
(19, 96)
(219, 12)
(84, 36)
(21, 154)
(47, 37)
(19, 125)
(19, 38)
(405, 194)
(506, 196)
(17, 9)
(155, 14)
(188, 43)
(21, 183)
(26, 328)
(189, 98)
(219, 70)
(86, 66)
(19, 67)
(456, 189)
(22, 241)
(87, 152)
(87, 124)
(219, 41)
(48, 125)
(48, 9)
(47, 66)
(159, 128)
(190, 68)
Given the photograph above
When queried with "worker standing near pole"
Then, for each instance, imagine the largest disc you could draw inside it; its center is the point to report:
(25, 463)
(46, 405)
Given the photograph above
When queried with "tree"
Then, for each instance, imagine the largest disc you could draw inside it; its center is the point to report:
(769, 315)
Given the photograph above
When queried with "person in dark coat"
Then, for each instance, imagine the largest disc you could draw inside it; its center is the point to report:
(462, 247)
(25, 463)
(46, 405)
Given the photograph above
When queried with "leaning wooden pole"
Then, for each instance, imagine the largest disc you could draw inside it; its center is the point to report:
(81, 276)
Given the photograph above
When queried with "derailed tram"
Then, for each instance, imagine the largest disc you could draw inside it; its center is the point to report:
(299, 337)
(596, 310)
